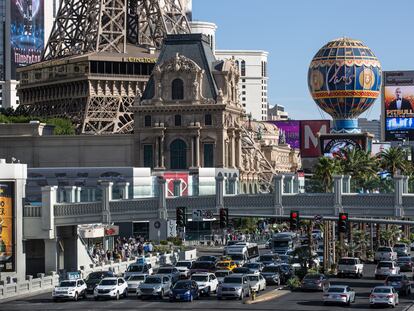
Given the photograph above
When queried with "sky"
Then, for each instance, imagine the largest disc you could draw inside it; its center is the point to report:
(293, 31)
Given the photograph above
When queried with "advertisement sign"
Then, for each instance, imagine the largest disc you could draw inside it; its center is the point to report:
(379, 147)
(333, 146)
(26, 33)
(177, 183)
(291, 130)
(309, 141)
(111, 230)
(398, 104)
(6, 226)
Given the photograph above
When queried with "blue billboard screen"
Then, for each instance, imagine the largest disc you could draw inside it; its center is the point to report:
(26, 33)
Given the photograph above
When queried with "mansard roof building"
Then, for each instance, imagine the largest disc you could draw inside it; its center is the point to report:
(190, 116)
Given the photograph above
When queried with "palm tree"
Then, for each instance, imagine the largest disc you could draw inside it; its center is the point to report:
(394, 160)
(390, 236)
(325, 170)
(361, 239)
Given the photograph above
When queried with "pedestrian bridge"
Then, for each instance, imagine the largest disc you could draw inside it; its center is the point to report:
(41, 221)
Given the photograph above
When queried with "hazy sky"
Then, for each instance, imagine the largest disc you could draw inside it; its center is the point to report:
(294, 30)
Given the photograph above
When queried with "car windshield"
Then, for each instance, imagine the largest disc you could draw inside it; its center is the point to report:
(186, 264)
(182, 285)
(237, 256)
(241, 270)
(97, 275)
(202, 265)
(347, 261)
(252, 265)
(270, 269)
(382, 290)
(404, 259)
(232, 279)
(135, 268)
(399, 245)
(136, 278)
(336, 290)
(152, 280)
(165, 270)
(221, 274)
(312, 276)
(384, 249)
(394, 278)
(68, 284)
(385, 265)
(199, 278)
(254, 278)
(108, 282)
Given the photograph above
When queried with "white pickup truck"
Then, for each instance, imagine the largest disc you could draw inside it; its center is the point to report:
(385, 253)
(350, 266)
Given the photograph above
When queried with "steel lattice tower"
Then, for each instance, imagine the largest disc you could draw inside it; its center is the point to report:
(98, 59)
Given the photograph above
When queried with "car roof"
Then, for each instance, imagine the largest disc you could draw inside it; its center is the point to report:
(71, 280)
(252, 274)
(388, 287)
(339, 286)
(386, 261)
(219, 271)
(111, 278)
(202, 273)
(238, 274)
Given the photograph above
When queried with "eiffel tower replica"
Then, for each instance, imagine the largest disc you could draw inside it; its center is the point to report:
(99, 57)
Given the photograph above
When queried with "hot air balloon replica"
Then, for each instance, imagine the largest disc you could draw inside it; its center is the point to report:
(344, 79)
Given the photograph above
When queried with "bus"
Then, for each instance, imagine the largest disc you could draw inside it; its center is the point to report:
(243, 252)
(284, 241)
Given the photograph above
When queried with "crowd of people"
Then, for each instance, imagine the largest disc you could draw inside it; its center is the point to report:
(124, 248)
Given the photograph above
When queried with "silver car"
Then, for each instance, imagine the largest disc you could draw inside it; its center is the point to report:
(221, 274)
(154, 286)
(384, 295)
(134, 281)
(342, 294)
(386, 268)
(234, 286)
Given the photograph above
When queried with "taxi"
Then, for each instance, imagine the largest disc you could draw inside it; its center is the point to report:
(226, 265)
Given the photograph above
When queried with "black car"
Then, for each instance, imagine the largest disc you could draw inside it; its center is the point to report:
(93, 279)
(241, 270)
(271, 275)
(208, 258)
(285, 272)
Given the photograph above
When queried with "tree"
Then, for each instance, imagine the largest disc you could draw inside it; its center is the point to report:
(394, 160)
(390, 236)
(325, 169)
(361, 239)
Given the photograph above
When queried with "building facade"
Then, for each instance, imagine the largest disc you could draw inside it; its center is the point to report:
(25, 28)
(277, 113)
(370, 126)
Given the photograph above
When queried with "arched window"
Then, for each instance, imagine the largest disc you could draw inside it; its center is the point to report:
(237, 65)
(178, 155)
(177, 89)
(243, 68)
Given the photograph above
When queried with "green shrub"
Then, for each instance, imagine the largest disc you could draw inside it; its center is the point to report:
(293, 283)
(175, 240)
(163, 242)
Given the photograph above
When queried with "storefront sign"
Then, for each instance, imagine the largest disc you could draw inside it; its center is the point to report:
(7, 251)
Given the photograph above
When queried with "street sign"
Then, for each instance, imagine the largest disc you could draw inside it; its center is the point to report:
(200, 215)
(318, 219)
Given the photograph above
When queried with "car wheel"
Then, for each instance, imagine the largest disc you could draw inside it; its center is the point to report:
(117, 295)
(241, 295)
(96, 298)
(348, 303)
(208, 291)
(126, 293)
(162, 294)
(84, 295)
(76, 297)
(191, 298)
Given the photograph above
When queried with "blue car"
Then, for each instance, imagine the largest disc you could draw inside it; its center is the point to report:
(185, 290)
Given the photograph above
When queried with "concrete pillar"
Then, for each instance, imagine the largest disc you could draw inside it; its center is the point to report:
(277, 194)
(197, 150)
(162, 155)
(337, 194)
(78, 194)
(405, 184)
(347, 184)
(70, 194)
(162, 198)
(398, 193)
(193, 161)
(157, 155)
(232, 147)
(51, 256)
(238, 151)
(124, 190)
(49, 194)
(106, 198)
(61, 195)
(219, 191)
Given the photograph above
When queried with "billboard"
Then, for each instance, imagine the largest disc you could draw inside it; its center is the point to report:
(398, 103)
(291, 130)
(309, 141)
(6, 227)
(171, 177)
(379, 147)
(332, 146)
(26, 33)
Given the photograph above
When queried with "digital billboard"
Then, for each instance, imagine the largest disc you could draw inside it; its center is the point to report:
(309, 141)
(26, 33)
(398, 103)
(6, 227)
(291, 130)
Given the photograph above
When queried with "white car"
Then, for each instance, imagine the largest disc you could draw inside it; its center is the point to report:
(70, 289)
(384, 295)
(385, 253)
(207, 282)
(350, 266)
(339, 294)
(221, 274)
(386, 268)
(111, 288)
(184, 266)
(256, 281)
(134, 281)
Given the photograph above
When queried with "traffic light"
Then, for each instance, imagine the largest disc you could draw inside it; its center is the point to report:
(224, 218)
(181, 217)
(294, 220)
(343, 223)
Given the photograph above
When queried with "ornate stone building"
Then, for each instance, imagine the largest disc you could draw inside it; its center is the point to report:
(190, 116)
